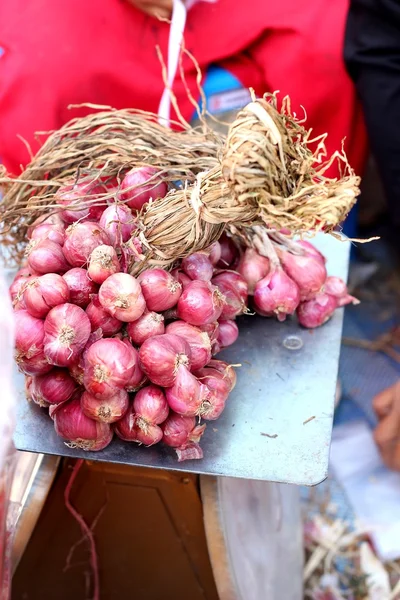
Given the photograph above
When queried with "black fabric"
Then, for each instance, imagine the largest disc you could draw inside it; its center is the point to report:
(372, 55)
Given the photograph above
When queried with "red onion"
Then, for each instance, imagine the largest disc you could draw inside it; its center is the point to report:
(235, 281)
(228, 333)
(103, 262)
(108, 410)
(81, 239)
(276, 294)
(183, 434)
(45, 256)
(117, 220)
(311, 250)
(149, 324)
(137, 379)
(229, 252)
(79, 194)
(211, 329)
(55, 387)
(29, 335)
(317, 311)
(53, 232)
(160, 290)
(43, 293)
(141, 184)
(122, 297)
(73, 425)
(181, 277)
(334, 286)
(214, 252)
(233, 305)
(53, 219)
(17, 289)
(226, 370)
(307, 271)
(215, 395)
(67, 329)
(162, 355)
(200, 303)
(253, 267)
(151, 405)
(81, 288)
(185, 395)
(132, 429)
(100, 319)
(198, 266)
(109, 364)
(199, 342)
(35, 365)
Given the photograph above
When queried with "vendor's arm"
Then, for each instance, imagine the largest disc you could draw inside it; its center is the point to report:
(372, 54)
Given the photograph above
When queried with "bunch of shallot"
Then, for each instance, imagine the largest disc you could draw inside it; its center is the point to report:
(107, 353)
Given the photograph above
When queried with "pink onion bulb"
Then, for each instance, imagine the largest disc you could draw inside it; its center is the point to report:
(233, 305)
(198, 266)
(118, 222)
(80, 431)
(67, 329)
(229, 252)
(78, 195)
(317, 311)
(17, 289)
(235, 281)
(54, 232)
(150, 404)
(228, 333)
(214, 253)
(181, 277)
(80, 241)
(45, 292)
(35, 365)
(141, 184)
(129, 430)
(81, 288)
(253, 267)
(101, 319)
(103, 262)
(311, 250)
(217, 389)
(109, 364)
(160, 290)
(185, 396)
(121, 295)
(334, 286)
(137, 379)
(149, 324)
(199, 342)
(276, 294)
(29, 338)
(55, 387)
(161, 356)
(200, 303)
(226, 370)
(53, 219)
(307, 271)
(45, 256)
(108, 410)
(183, 434)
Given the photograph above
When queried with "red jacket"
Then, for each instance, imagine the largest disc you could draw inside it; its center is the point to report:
(65, 52)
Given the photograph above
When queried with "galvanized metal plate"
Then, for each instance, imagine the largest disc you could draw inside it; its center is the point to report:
(277, 424)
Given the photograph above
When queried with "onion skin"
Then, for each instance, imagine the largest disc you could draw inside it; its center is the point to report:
(314, 313)
(118, 222)
(235, 281)
(101, 319)
(228, 333)
(45, 256)
(44, 293)
(54, 232)
(308, 272)
(103, 262)
(160, 290)
(149, 324)
(200, 303)
(80, 286)
(55, 387)
(226, 370)
(198, 266)
(109, 364)
(35, 365)
(29, 336)
(136, 197)
(233, 303)
(121, 296)
(253, 267)
(151, 404)
(183, 434)
(81, 239)
(185, 396)
(199, 342)
(132, 429)
(80, 431)
(106, 411)
(160, 357)
(72, 194)
(276, 294)
(218, 388)
(67, 330)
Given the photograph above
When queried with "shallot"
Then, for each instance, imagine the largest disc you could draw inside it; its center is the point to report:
(235, 281)
(67, 330)
(141, 184)
(80, 241)
(118, 222)
(54, 232)
(80, 431)
(200, 303)
(131, 429)
(317, 311)
(226, 370)
(103, 262)
(199, 342)
(81, 288)
(233, 303)
(121, 295)
(54, 387)
(181, 277)
(149, 324)
(307, 271)
(29, 335)
(217, 389)
(108, 410)
(45, 256)
(311, 250)
(253, 267)
(160, 290)
(228, 333)
(183, 434)
(43, 293)
(214, 252)
(77, 195)
(185, 395)
(151, 405)
(101, 319)
(162, 355)
(276, 294)
(109, 364)
(229, 252)
(198, 266)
